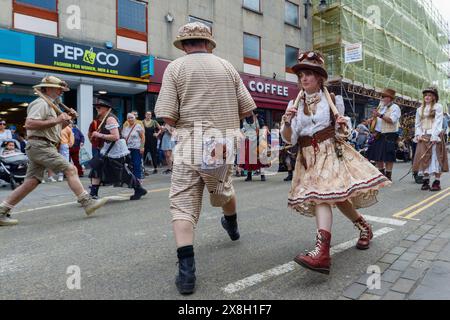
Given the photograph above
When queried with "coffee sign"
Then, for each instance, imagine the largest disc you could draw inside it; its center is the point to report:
(268, 88)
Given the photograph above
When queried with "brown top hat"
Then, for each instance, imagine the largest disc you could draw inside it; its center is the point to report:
(194, 30)
(432, 90)
(389, 93)
(312, 61)
(52, 82)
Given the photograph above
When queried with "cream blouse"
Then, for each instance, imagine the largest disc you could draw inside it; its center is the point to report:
(303, 125)
(426, 125)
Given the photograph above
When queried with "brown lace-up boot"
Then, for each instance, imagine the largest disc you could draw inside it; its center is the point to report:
(319, 259)
(365, 233)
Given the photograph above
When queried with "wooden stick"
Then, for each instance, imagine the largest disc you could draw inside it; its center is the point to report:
(420, 160)
(69, 111)
(103, 121)
(297, 100)
(330, 102)
(334, 109)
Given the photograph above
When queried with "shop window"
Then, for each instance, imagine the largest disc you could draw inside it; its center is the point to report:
(38, 16)
(252, 49)
(291, 13)
(205, 22)
(132, 15)
(291, 58)
(49, 5)
(132, 25)
(254, 5)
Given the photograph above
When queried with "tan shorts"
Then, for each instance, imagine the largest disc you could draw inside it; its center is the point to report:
(187, 187)
(43, 155)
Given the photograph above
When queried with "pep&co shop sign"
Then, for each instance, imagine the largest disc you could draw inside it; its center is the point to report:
(55, 54)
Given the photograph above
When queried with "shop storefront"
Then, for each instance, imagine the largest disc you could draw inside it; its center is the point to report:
(25, 59)
(271, 96)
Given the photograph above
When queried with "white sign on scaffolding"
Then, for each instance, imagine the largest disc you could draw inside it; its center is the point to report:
(353, 52)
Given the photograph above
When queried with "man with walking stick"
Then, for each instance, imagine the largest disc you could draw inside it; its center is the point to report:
(44, 124)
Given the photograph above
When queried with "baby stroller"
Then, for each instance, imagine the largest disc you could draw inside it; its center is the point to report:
(13, 164)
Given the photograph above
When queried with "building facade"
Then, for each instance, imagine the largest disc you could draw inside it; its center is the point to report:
(98, 47)
(261, 38)
(371, 44)
(120, 48)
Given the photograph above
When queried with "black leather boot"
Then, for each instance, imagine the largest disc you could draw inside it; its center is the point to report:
(426, 185)
(249, 176)
(185, 280)
(389, 175)
(139, 192)
(289, 177)
(231, 226)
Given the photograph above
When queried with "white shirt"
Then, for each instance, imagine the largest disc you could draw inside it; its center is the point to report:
(395, 116)
(119, 149)
(303, 125)
(436, 126)
(134, 140)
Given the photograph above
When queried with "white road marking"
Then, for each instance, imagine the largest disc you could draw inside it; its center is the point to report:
(118, 197)
(46, 207)
(346, 245)
(291, 266)
(393, 222)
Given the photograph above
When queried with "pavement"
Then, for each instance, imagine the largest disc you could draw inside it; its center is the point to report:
(127, 251)
(417, 268)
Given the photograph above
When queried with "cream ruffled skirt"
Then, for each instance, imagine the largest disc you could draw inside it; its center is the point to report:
(329, 179)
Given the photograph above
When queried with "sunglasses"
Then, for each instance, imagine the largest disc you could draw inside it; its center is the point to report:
(3, 123)
(311, 56)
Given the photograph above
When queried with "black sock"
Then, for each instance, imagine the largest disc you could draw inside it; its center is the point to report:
(185, 252)
(232, 218)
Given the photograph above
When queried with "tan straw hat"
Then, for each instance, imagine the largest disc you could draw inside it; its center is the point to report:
(194, 30)
(52, 82)
(389, 93)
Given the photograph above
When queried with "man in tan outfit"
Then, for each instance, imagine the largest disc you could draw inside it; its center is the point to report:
(200, 93)
(44, 133)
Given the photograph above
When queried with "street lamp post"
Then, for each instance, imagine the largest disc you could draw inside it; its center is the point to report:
(307, 3)
(323, 5)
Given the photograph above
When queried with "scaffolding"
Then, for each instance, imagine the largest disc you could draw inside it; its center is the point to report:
(405, 46)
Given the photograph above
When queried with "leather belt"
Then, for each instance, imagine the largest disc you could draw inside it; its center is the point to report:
(318, 137)
(42, 139)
